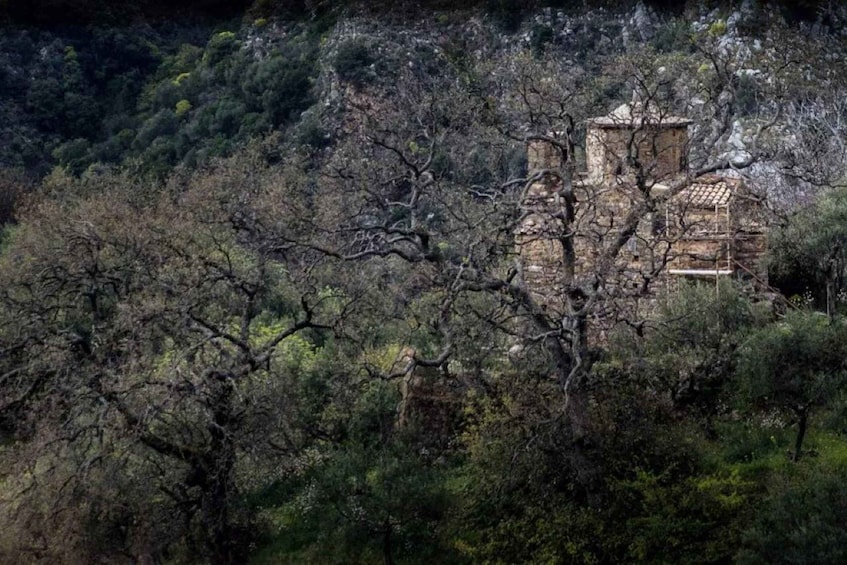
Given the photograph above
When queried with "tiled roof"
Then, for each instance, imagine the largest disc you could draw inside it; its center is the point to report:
(706, 192)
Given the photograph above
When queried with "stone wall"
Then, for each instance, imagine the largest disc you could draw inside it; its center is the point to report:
(542, 154)
(712, 228)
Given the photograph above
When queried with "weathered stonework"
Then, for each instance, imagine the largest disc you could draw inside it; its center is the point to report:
(712, 227)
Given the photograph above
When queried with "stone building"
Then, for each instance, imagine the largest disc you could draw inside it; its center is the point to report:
(708, 227)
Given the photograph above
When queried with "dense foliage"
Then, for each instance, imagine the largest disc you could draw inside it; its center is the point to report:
(259, 296)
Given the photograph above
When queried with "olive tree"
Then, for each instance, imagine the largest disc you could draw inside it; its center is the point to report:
(796, 365)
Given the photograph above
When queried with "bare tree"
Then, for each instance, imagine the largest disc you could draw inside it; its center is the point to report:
(146, 340)
(429, 179)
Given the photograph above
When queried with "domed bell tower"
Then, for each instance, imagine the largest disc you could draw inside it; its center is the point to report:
(635, 137)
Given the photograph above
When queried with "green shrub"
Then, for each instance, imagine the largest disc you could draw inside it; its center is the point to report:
(279, 86)
(73, 155)
(221, 46)
(163, 123)
(674, 36)
(717, 28)
(803, 522)
(540, 37)
(682, 520)
(228, 113)
(353, 62)
(311, 133)
(182, 108)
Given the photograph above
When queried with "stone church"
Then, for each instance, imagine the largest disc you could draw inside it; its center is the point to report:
(708, 228)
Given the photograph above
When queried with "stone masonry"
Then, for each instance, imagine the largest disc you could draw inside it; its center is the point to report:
(712, 227)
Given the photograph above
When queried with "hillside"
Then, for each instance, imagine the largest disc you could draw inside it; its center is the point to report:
(322, 282)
